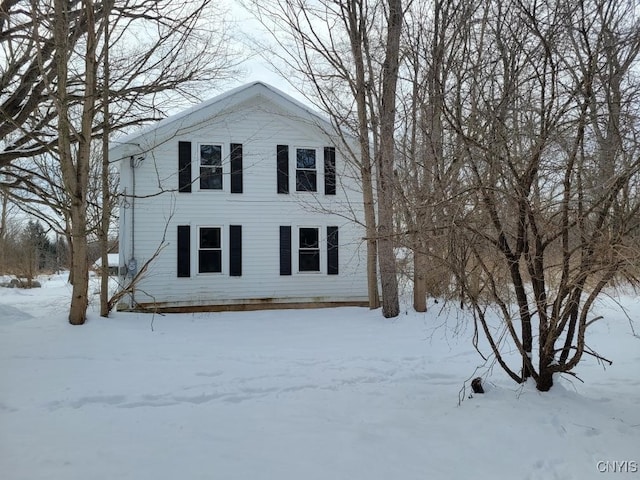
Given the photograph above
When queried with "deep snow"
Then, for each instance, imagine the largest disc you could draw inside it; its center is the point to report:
(298, 394)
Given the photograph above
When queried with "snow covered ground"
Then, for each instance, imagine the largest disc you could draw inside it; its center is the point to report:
(308, 394)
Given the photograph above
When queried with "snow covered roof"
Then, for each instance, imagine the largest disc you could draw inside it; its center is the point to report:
(146, 138)
(112, 258)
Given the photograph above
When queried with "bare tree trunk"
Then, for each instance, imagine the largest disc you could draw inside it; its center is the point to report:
(355, 28)
(79, 265)
(420, 265)
(75, 171)
(105, 219)
(370, 226)
(104, 227)
(386, 241)
(4, 212)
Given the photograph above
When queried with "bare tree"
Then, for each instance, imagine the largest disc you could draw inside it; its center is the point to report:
(53, 101)
(551, 170)
(148, 42)
(105, 184)
(386, 160)
(75, 165)
(7, 230)
(355, 20)
(37, 189)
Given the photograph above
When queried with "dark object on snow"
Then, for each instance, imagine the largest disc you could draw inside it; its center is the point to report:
(22, 283)
(476, 385)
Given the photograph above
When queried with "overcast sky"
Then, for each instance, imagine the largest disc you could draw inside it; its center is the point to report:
(256, 68)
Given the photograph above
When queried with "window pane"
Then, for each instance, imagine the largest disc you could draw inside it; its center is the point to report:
(306, 158)
(211, 178)
(211, 155)
(209, 238)
(309, 238)
(309, 261)
(305, 181)
(210, 261)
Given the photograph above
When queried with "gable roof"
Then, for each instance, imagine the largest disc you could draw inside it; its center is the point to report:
(146, 138)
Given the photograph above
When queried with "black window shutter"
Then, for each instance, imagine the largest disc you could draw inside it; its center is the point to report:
(184, 166)
(236, 168)
(285, 250)
(235, 250)
(283, 168)
(332, 250)
(184, 251)
(329, 170)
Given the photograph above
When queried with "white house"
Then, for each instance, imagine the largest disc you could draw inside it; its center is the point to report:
(251, 203)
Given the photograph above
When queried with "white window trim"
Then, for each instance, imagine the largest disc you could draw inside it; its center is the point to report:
(321, 238)
(223, 249)
(224, 163)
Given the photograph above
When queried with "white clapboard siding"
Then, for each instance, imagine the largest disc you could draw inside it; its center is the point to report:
(259, 117)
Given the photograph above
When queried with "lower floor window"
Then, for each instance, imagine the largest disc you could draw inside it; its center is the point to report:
(309, 250)
(209, 250)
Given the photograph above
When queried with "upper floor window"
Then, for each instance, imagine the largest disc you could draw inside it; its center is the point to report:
(306, 171)
(211, 167)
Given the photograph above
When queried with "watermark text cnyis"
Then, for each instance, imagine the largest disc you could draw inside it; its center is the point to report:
(618, 466)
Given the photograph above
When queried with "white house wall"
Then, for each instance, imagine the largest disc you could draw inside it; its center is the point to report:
(259, 125)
